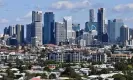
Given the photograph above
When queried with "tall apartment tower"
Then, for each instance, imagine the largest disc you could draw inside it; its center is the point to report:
(101, 23)
(20, 33)
(36, 16)
(60, 32)
(92, 15)
(36, 30)
(49, 23)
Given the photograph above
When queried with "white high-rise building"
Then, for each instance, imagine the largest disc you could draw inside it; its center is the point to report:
(68, 25)
(36, 16)
(36, 33)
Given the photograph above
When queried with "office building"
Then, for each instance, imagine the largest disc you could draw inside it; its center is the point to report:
(69, 31)
(60, 32)
(75, 27)
(101, 24)
(89, 26)
(6, 31)
(92, 16)
(49, 22)
(28, 33)
(114, 30)
(20, 33)
(12, 30)
(37, 33)
(124, 34)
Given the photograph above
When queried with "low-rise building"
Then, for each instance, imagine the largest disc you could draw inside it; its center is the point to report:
(99, 57)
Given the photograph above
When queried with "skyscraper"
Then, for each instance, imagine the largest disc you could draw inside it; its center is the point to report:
(114, 29)
(36, 16)
(124, 34)
(36, 30)
(68, 25)
(60, 32)
(6, 31)
(28, 33)
(101, 23)
(12, 30)
(92, 16)
(76, 27)
(70, 33)
(48, 34)
(20, 33)
(89, 26)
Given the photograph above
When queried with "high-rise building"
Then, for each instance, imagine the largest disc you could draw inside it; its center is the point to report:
(75, 27)
(60, 32)
(36, 16)
(36, 28)
(48, 34)
(124, 34)
(114, 29)
(20, 33)
(38, 32)
(12, 30)
(69, 31)
(92, 16)
(101, 23)
(89, 26)
(6, 31)
(28, 33)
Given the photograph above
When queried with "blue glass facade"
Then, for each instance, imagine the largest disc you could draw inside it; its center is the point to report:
(48, 32)
(76, 27)
(89, 26)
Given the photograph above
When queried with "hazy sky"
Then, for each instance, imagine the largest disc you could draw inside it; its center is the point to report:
(19, 11)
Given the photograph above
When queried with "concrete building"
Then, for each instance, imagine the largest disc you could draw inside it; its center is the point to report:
(99, 57)
(20, 33)
(36, 16)
(36, 30)
(60, 32)
(66, 56)
(49, 23)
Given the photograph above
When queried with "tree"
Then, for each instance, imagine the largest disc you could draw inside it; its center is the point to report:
(44, 76)
(69, 72)
(104, 71)
(52, 76)
(47, 69)
(120, 66)
(10, 73)
(113, 48)
(119, 77)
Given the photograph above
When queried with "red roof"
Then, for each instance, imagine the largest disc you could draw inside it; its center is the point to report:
(35, 78)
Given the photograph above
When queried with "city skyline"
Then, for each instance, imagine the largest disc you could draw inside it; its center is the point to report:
(61, 8)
